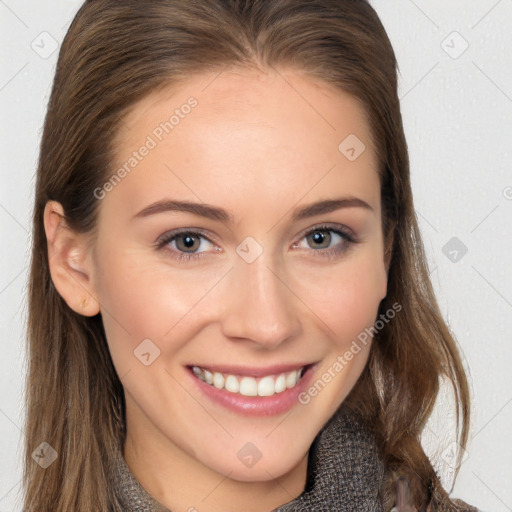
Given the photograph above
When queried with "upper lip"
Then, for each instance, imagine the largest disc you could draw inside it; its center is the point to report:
(253, 371)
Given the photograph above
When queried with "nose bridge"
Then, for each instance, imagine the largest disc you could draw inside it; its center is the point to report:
(259, 307)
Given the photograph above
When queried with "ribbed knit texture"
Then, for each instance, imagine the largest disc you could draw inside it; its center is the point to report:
(344, 474)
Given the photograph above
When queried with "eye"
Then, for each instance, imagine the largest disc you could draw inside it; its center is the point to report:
(327, 240)
(182, 245)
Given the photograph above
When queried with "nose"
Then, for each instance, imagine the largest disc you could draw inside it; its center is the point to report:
(258, 305)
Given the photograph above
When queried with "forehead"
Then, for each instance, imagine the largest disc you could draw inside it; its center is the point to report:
(285, 100)
(248, 131)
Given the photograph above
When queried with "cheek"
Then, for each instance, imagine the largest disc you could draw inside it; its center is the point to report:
(143, 298)
(143, 301)
(351, 305)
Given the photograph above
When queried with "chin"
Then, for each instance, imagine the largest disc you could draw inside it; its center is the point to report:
(250, 464)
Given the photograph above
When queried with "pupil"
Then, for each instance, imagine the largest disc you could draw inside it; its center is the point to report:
(319, 237)
(189, 241)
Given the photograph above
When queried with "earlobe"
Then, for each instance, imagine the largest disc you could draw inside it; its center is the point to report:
(69, 262)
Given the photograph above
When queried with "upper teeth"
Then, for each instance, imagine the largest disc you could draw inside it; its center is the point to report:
(250, 386)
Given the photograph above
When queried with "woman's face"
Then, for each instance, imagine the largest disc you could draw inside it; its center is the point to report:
(248, 284)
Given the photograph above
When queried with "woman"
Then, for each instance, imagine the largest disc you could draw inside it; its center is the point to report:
(230, 306)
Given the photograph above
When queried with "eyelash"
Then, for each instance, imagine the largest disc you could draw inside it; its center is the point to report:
(166, 238)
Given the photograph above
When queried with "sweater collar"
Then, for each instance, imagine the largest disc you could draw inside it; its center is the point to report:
(344, 473)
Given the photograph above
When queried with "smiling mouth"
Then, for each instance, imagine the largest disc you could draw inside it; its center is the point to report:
(266, 385)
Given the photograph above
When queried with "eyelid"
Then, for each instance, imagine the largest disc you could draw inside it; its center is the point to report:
(169, 235)
(325, 226)
(344, 231)
(316, 227)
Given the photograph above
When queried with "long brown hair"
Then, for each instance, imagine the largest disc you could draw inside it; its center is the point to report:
(115, 53)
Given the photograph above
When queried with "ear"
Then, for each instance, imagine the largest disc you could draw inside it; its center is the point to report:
(70, 261)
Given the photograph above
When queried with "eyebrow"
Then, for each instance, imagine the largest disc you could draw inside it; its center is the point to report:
(222, 215)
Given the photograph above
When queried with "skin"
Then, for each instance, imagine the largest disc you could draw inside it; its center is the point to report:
(259, 145)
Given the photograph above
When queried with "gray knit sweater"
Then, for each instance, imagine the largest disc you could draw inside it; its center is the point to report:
(344, 474)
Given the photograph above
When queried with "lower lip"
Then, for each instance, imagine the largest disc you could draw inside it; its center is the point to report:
(255, 405)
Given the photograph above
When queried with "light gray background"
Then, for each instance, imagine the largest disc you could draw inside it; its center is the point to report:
(457, 110)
